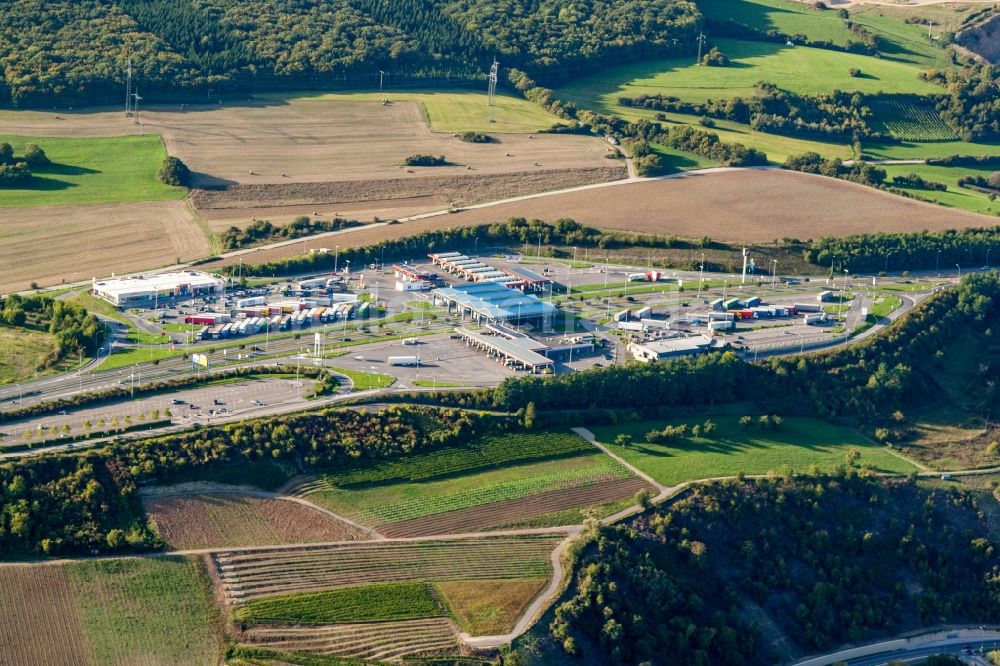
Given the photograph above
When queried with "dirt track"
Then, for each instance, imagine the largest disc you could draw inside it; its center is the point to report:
(736, 206)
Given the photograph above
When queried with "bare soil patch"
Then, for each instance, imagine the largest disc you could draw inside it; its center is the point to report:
(510, 511)
(489, 607)
(54, 244)
(40, 623)
(452, 190)
(736, 206)
(229, 519)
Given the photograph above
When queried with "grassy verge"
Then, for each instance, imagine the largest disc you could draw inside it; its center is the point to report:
(732, 449)
(364, 381)
(22, 352)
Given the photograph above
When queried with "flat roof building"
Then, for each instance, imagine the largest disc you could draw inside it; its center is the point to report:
(492, 303)
(146, 289)
(659, 350)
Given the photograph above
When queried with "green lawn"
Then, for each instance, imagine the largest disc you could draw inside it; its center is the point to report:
(675, 161)
(908, 150)
(800, 443)
(123, 358)
(487, 470)
(364, 381)
(365, 603)
(458, 110)
(143, 610)
(87, 171)
(798, 69)
(955, 196)
(897, 40)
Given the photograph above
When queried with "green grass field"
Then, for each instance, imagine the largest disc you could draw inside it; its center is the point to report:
(955, 196)
(364, 381)
(798, 69)
(143, 610)
(800, 443)
(490, 469)
(22, 352)
(89, 171)
(457, 110)
(897, 40)
(908, 150)
(365, 603)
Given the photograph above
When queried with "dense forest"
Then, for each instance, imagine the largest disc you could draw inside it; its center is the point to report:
(972, 105)
(76, 50)
(830, 559)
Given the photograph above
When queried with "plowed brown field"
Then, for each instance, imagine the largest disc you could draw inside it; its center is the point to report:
(510, 511)
(228, 520)
(52, 244)
(40, 624)
(736, 206)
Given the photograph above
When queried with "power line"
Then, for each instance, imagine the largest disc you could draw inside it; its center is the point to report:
(137, 99)
(128, 89)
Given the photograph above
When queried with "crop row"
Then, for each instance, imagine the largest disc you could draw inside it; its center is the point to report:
(377, 640)
(274, 572)
(482, 453)
(365, 603)
(912, 122)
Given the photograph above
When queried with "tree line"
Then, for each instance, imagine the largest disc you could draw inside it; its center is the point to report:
(833, 116)
(261, 231)
(918, 250)
(971, 106)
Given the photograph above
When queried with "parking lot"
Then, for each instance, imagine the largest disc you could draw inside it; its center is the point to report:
(197, 405)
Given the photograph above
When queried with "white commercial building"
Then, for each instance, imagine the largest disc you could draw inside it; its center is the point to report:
(659, 350)
(147, 289)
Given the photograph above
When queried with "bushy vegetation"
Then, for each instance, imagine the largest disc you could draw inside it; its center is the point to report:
(831, 559)
(262, 231)
(364, 603)
(989, 184)
(75, 329)
(173, 172)
(16, 171)
(476, 137)
(715, 58)
(425, 160)
(919, 182)
(972, 106)
(182, 49)
(834, 116)
(966, 160)
(858, 172)
(83, 503)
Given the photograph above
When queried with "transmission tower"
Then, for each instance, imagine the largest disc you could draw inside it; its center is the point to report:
(128, 89)
(135, 96)
(701, 43)
(493, 90)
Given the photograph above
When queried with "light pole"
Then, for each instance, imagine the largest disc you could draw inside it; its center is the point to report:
(701, 274)
(888, 254)
(937, 258)
(539, 256)
(988, 257)
(774, 272)
(843, 293)
(475, 246)
(336, 255)
(959, 270)
(380, 75)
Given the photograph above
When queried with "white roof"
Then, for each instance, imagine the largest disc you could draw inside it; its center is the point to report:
(157, 282)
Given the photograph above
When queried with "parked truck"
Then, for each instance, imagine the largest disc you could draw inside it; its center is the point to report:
(407, 361)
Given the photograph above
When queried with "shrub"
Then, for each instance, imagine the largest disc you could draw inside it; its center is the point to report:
(855, 72)
(425, 160)
(35, 157)
(476, 137)
(174, 172)
(14, 175)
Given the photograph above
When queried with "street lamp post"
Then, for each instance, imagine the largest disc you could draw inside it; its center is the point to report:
(888, 254)
(701, 274)
(959, 270)
(336, 255)
(937, 258)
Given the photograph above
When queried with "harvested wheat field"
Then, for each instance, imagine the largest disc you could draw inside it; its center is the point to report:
(37, 601)
(226, 520)
(314, 140)
(729, 205)
(54, 244)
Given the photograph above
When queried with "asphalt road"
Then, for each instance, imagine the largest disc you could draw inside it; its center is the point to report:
(918, 654)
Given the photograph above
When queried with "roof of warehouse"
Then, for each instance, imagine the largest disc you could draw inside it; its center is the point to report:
(526, 275)
(495, 300)
(158, 282)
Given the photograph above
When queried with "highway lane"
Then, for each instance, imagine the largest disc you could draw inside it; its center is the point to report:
(918, 654)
